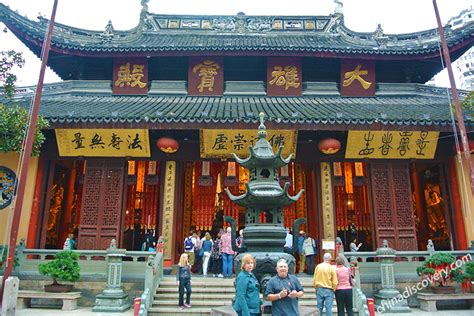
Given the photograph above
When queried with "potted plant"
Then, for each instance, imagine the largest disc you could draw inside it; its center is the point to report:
(64, 267)
(469, 272)
(440, 271)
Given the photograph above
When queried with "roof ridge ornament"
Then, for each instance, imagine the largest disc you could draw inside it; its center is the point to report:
(108, 34)
(379, 36)
(339, 5)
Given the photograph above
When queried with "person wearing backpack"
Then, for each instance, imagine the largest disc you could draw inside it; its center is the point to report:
(189, 244)
(308, 248)
(183, 277)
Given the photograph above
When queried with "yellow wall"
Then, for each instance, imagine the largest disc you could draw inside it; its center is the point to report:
(467, 198)
(10, 160)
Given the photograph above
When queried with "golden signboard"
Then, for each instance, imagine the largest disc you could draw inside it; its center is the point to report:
(103, 142)
(168, 208)
(391, 144)
(327, 201)
(218, 143)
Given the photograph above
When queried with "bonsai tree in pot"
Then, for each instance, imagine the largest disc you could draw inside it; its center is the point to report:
(469, 273)
(440, 271)
(64, 267)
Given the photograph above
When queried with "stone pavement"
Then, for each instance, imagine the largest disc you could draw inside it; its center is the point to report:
(88, 311)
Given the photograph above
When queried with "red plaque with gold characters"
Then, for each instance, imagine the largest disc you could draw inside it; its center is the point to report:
(206, 76)
(284, 77)
(357, 78)
(130, 76)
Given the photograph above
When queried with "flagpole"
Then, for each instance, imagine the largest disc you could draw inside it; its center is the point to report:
(454, 93)
(26, 153)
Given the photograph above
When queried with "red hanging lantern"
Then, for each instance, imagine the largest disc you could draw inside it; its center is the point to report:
(167, 145)
(329, 146)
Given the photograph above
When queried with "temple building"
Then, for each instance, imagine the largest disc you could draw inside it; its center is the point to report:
(143, 127)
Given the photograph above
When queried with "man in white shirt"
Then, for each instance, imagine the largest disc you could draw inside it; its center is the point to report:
(288, 242)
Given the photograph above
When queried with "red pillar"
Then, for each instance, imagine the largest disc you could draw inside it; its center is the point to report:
(460, 240)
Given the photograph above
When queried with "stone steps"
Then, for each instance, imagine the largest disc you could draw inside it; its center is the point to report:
(211, 292)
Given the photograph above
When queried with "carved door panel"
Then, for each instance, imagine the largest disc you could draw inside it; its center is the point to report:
(101, 204)
(393, 214)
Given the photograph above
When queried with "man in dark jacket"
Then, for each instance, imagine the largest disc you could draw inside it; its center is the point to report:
(284, 290)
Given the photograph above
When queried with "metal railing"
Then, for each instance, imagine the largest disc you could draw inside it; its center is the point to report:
(153, 276)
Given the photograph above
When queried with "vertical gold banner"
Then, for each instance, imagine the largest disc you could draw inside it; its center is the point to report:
(168, 208)
(328, 206)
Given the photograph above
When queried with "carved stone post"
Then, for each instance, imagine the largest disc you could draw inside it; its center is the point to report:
(389, 298)
(10, 295)
(113, 298)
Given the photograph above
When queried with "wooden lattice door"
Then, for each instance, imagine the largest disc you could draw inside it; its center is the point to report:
(101, 204)
(393, 213)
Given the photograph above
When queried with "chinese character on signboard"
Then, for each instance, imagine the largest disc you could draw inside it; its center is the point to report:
(130, 76)
(206, 76)
(357, 78)
(284, 77)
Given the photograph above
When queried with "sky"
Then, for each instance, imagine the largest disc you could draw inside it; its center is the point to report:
(395, 16)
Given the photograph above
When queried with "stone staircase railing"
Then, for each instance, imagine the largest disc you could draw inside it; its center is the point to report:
(153, 276)
(358, 297)
(93, 263)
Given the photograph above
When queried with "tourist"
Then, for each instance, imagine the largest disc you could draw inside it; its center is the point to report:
(207, 248)
(216, 256)
(344, 287)
(198, 253)
(189, 244)
(239, 241)
(301, 239)
(283, 290)
(183, 277)
(225, 248)
(148, 240)
(325, 282)
(308, 248)
(247, 289)
(288, 247)
(354, 246)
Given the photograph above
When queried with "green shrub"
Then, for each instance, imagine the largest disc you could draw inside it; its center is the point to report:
(470, 270)
(3, 257)
(437, 269)
(64, 267)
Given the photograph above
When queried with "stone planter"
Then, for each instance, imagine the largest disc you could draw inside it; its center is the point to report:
(443, 289)
(58, 288)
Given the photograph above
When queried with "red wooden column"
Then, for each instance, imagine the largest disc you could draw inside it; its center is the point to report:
(35, 208)
(460, 240)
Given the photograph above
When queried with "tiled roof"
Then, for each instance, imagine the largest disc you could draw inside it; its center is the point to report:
(413, 106)
(158, 34)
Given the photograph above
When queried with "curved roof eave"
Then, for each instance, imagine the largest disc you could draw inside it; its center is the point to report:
(335, 40)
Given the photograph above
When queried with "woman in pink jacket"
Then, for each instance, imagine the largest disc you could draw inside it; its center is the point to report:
(344, 287)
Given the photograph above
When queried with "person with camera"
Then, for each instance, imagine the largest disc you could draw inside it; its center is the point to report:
(284, 290)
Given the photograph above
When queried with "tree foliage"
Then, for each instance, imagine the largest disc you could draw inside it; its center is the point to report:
(14, 119)
(64, 267)
(8, 60)
(13, 128)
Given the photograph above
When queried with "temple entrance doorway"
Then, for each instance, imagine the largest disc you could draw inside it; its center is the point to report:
(352, 204)
(62, 202)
